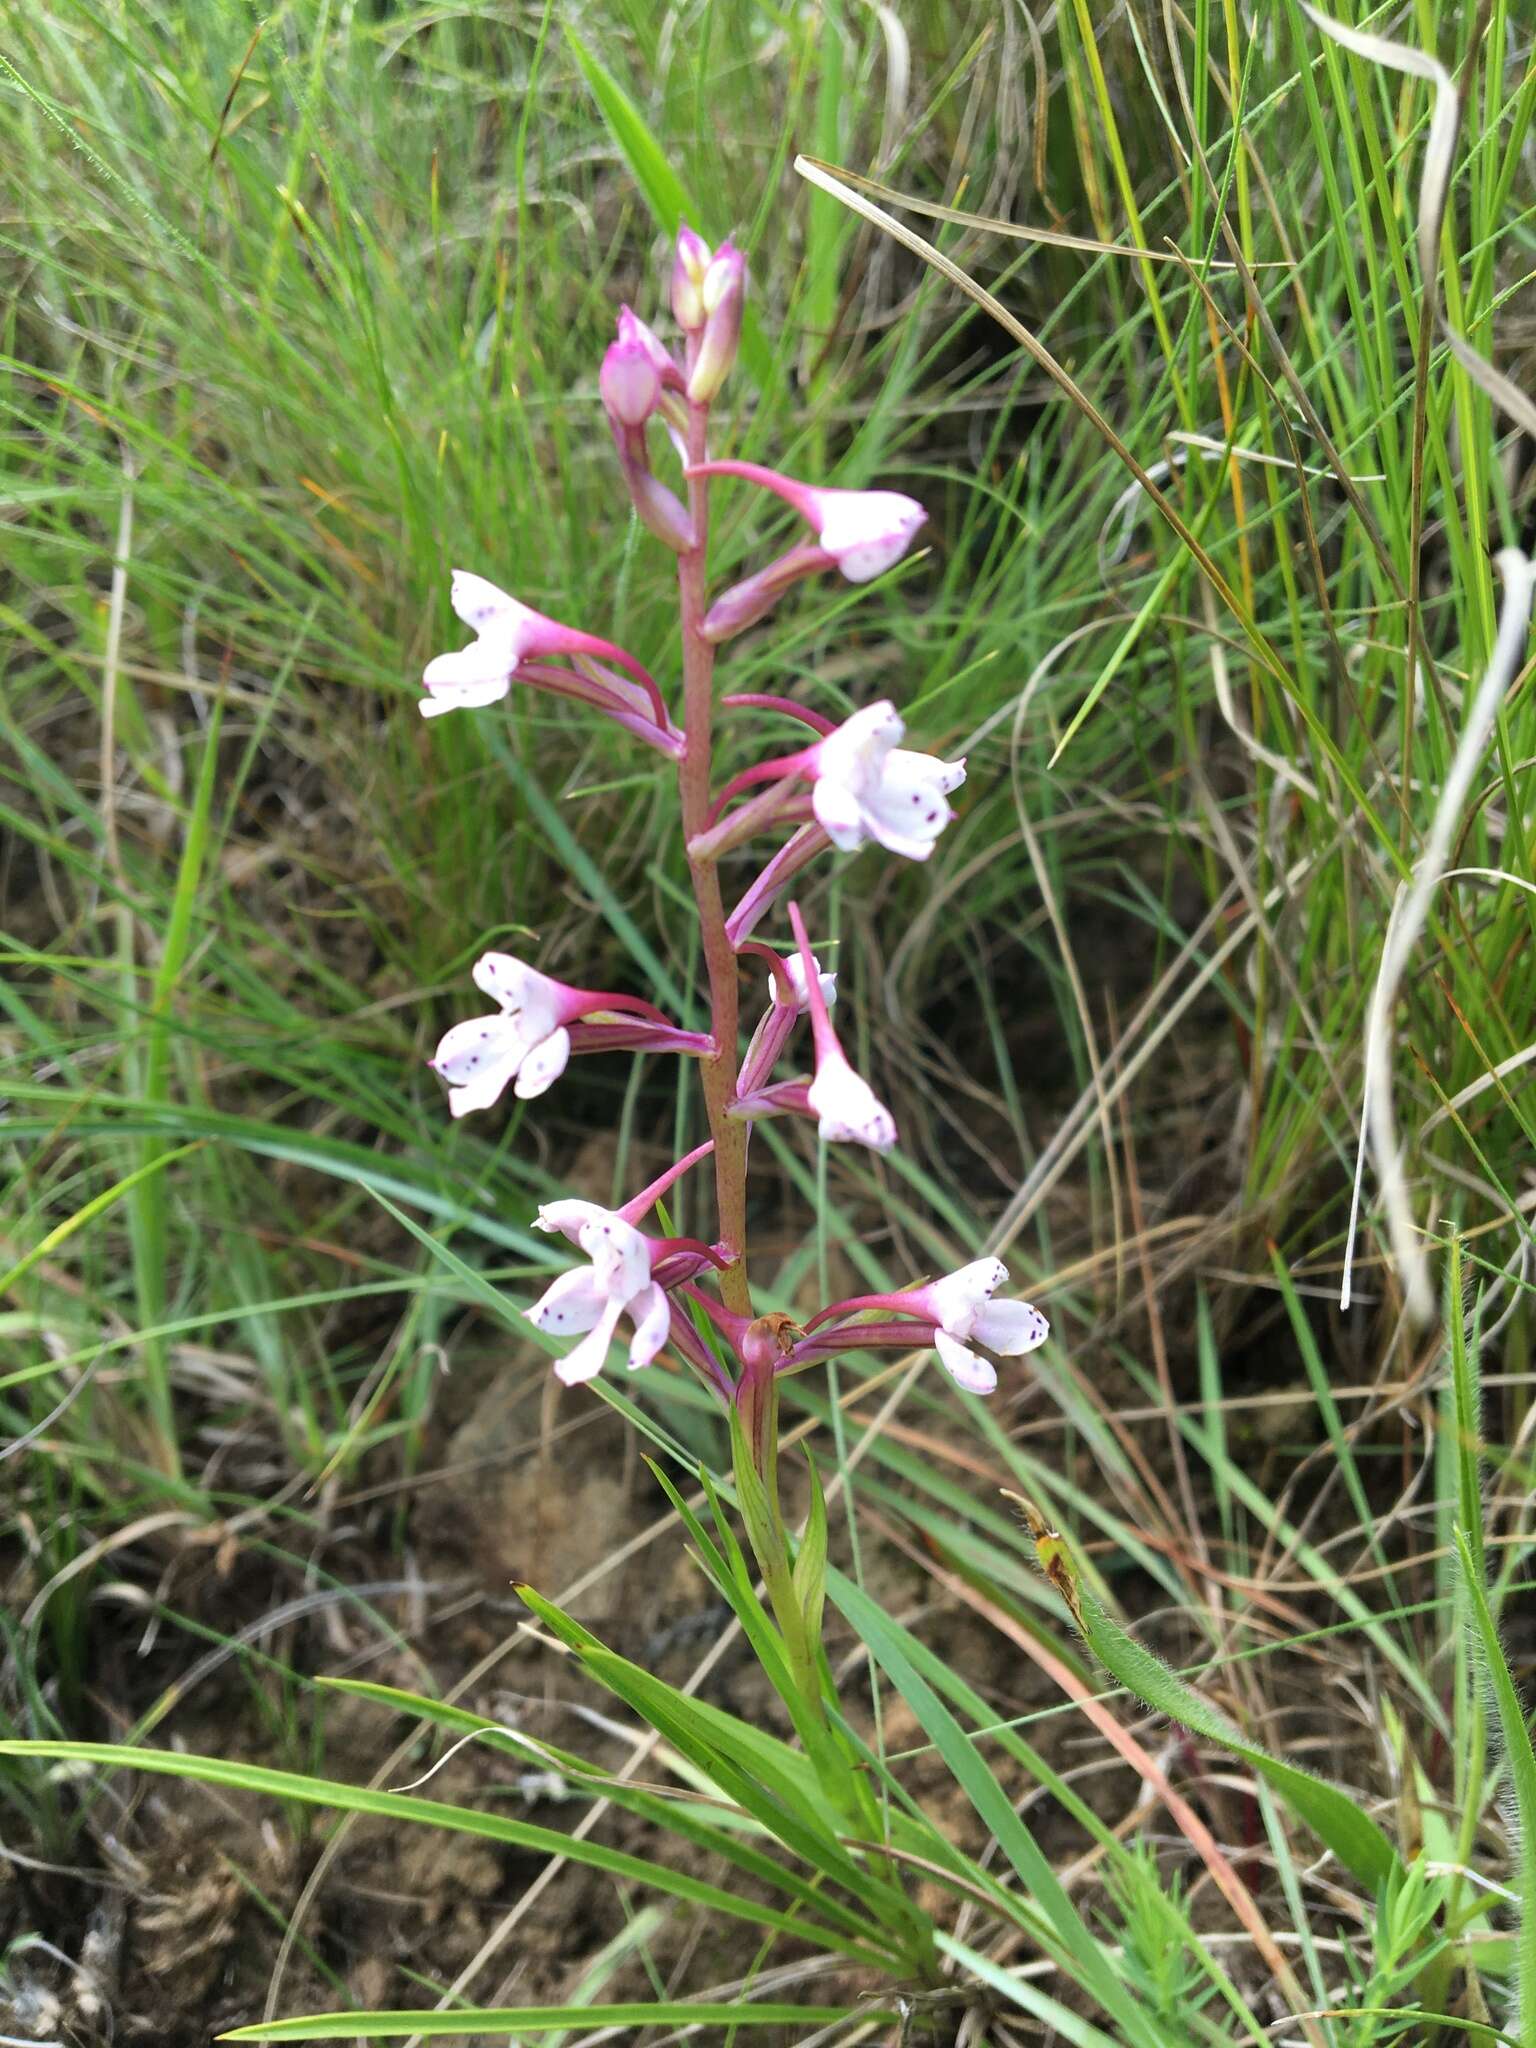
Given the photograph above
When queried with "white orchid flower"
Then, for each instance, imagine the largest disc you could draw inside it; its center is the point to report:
(963, 1311)
(847, 1108)
(861, 533)
(868, 786)
(590, 1300)
(509, 634)
(827, 983)
(525, 1042)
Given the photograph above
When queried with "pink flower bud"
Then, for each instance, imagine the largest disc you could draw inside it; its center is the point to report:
(723, 290)
(634, 332)
(629, 383)
(689, 268)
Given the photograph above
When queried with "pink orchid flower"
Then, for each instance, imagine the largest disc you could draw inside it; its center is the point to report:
(628, 1275)
(960, 1310)
(862, 533)
(846, 1107)
(865, 785)
(528, 1040)
(590, 1300)
(510, 639)
(868, 786)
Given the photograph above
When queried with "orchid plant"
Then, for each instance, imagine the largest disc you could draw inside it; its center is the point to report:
(852, 785)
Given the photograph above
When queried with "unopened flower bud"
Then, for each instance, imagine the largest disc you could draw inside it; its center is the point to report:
(722, 293)
(630, 384)
(689, 268)
(632, 329)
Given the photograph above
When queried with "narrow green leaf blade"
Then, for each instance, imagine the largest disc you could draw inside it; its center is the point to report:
(405, 1806)
(1331, 1813)
(536, 2019)
(665, 193)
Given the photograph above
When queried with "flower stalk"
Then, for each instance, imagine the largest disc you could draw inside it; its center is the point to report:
(718, 1072)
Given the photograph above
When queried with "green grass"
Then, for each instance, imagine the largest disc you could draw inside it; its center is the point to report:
(304, 309)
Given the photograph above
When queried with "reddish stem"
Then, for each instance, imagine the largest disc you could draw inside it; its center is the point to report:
(719, 1071)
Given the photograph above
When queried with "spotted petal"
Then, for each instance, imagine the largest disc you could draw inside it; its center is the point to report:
(853, 755)
(517, 986)
(543, 1065)
(489, 610)
(1011, 1327)
(620, 1255)
(568, 1216)
(908, 808)
(972, 1372)
(838, 814)
(477, 1059)
(570, 1304)
(958, 1298)
(585, 1362)
(651, 1314)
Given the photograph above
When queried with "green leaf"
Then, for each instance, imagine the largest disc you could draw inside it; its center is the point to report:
(671, 1815)
(1331, 1813)
(776, 1784)
(665, 194)
(648, 161)
(1077, 1948)
(541, 2019)
(810, 1572)
(87, 1213)
(1521, 1759)
(405, 1806)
